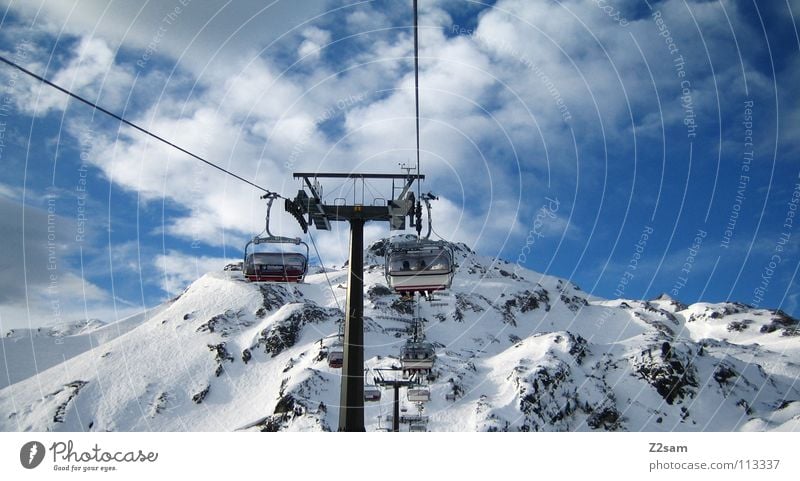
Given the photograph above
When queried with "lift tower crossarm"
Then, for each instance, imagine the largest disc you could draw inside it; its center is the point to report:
(307, 176)
(351, 405)
(354, 175)
(322, 214)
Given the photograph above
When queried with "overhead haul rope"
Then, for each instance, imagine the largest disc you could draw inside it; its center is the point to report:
(416, 87)
(324, 270)
(167, 142)
(127, 122)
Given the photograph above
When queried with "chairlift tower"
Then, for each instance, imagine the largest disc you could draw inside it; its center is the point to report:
(395, 383)
(320, 214)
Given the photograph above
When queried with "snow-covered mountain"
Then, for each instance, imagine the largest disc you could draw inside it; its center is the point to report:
(516, 350)
(24, 352)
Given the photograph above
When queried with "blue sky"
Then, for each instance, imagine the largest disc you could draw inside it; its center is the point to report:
(632, 147)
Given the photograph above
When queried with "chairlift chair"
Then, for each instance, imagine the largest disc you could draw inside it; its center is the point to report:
(336, 356)
(417, 356)
(275, 266)
(372, 393)
(418, 394)
(278, 265)
(419, 265)
(418, 427)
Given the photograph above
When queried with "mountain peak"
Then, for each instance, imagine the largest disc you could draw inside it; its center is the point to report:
(515, 350)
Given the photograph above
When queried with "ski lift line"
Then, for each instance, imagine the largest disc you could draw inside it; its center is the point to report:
(127, 122)
(324, 270)
(416, 85)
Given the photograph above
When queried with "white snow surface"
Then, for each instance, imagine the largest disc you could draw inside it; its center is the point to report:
(516, 350)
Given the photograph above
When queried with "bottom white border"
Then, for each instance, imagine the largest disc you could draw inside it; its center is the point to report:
(388, 456)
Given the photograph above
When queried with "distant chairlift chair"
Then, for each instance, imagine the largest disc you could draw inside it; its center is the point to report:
(336, 355)
(418, 394)
(372, 393)
(417, 356)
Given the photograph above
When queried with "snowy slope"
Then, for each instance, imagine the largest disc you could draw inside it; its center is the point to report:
(25, 352)
(516, 350)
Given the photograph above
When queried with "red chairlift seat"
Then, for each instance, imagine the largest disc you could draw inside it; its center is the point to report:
(275, 267)
(336, 359)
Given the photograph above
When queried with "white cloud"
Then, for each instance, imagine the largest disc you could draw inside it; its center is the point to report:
(252, 119)
(10, 192)
(39, 284)
(366, 19)
(484, 98)
(90, 72)
(282, 113)
(203, 35)
(314, 40)
(38, 314)
(177, 270)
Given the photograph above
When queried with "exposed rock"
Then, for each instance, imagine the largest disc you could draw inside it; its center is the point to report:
(200, 396)
(669, 371)
(159, 404)
(284, 333)
(220, 355)
(463, 302)
(739, 326)
(781, 321)
(403, 307)
(376, 291)
(74, 388)
(229, 322)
